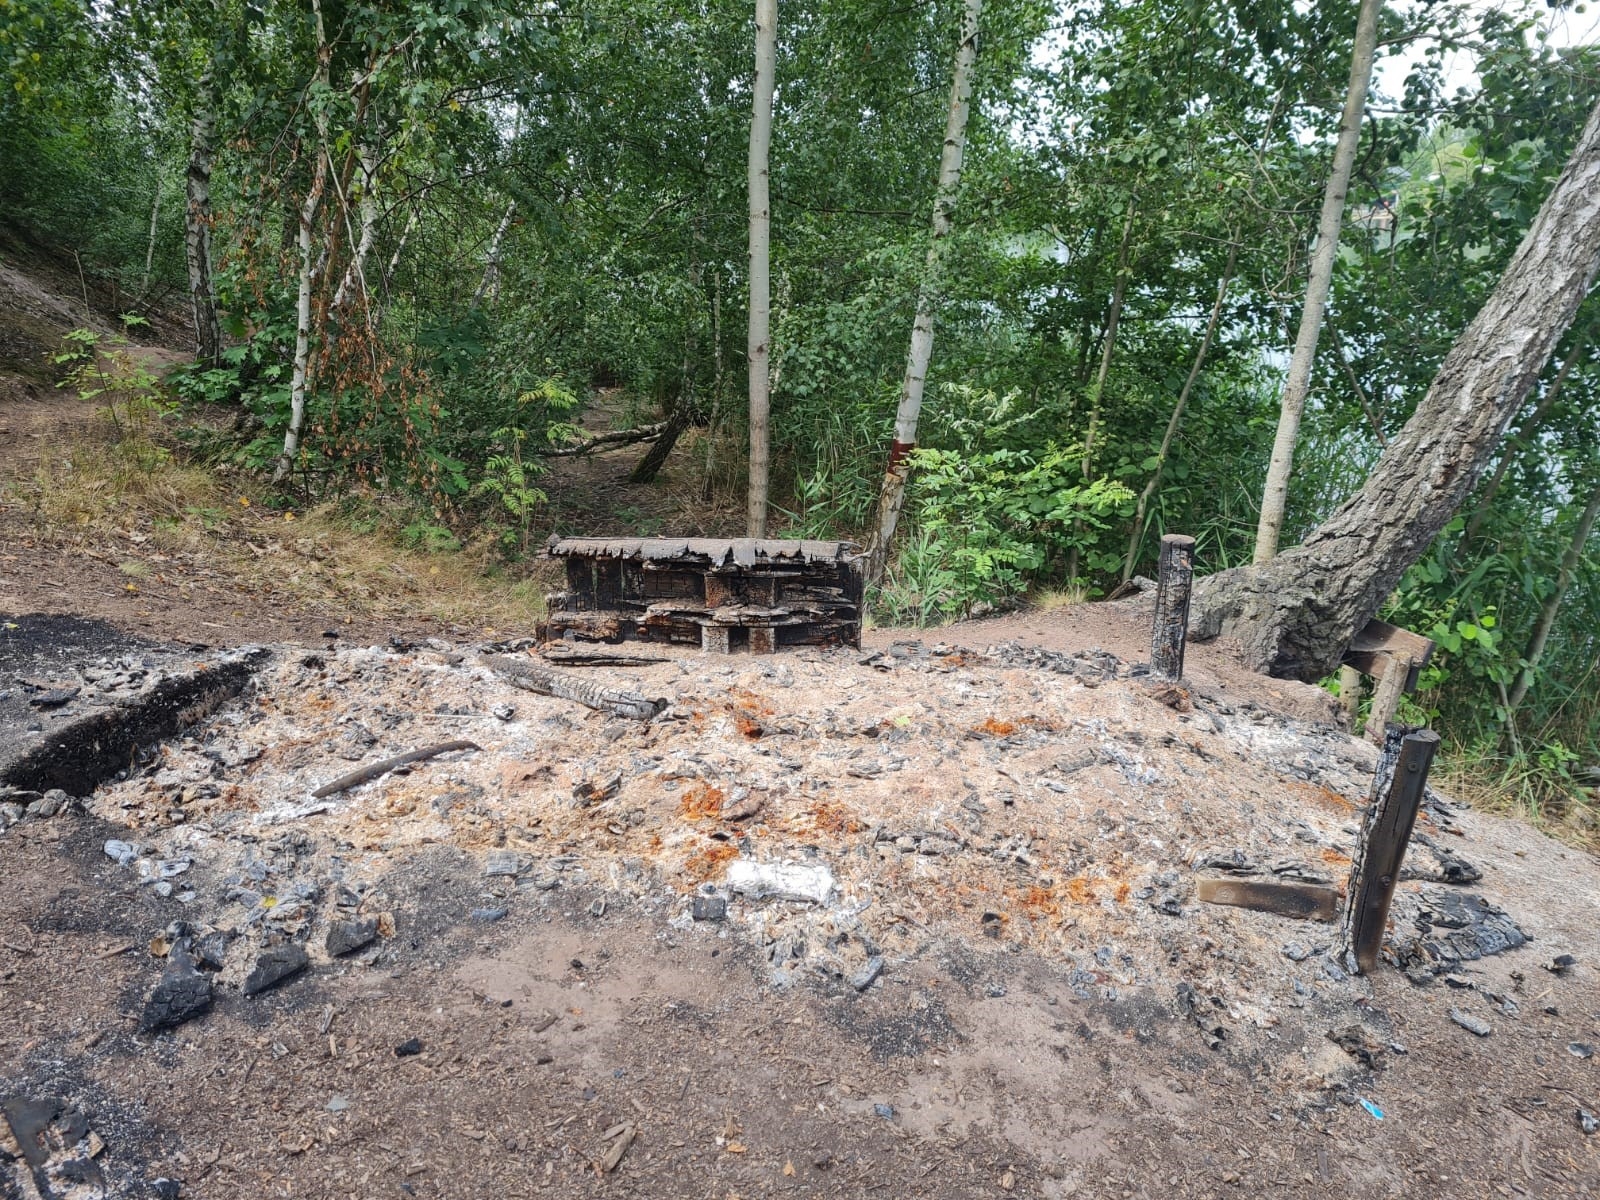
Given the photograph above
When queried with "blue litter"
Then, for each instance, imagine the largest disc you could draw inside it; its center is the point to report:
(1377, 1113)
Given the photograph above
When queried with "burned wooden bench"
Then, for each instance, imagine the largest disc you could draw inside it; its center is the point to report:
(721, 594)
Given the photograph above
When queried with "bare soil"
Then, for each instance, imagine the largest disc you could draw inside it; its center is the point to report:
(1009, 990)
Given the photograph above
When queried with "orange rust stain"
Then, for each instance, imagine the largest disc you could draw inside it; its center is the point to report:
(747, 724)
(1040, 901)
(745, 698)
(1079, 890)
(1124, 890)
(996, 728)
(702, 802)
(704, 864)
(1334, 858)
(834, 818)
(1332, 799)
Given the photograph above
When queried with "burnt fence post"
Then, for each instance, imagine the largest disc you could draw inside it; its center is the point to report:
(1175, 582)
(1397, 789)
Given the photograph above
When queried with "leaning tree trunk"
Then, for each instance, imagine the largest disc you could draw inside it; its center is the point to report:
(197, 224)
(1275, 498)
(1295, 615)
(758, 345)
(892, 495)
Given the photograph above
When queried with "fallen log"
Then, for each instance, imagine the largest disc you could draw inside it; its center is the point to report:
(533, 678)
(617, 437)
(373, 770)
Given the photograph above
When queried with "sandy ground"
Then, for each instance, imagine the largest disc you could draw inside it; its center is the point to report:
(1008, 987)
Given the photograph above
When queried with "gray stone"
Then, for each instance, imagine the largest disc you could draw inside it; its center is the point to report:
(51, 803)
(274, 965)
(868, 974)
(1471, 1023)
(708, 908)
(488, 915)
(122, 853)
(345, 937)
(502, 862)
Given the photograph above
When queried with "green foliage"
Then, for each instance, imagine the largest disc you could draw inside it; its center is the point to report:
(109, 370)
(1003, 518)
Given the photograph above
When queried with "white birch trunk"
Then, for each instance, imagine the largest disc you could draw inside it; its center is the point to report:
(197, 223)
(759, 341)
(892, 495)
(150, 246)
(1276, 494)
(299, 382)
(489, 285)
(355, 275)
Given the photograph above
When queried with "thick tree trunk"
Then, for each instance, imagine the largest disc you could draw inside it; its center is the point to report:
(1298, 384)
(1136, 535)
(1295, 615)
(1552, 605)
(892, 495)
(197, 223)
(758, 344)
(1525, 434)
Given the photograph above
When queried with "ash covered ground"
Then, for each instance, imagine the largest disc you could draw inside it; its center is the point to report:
(944, 894)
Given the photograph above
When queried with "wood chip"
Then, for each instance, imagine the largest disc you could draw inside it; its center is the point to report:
(618, 1149)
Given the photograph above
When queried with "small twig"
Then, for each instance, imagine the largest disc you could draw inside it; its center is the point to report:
(367, 773)
(105, 954)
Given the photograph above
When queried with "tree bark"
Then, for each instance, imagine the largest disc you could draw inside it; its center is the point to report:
(150, 246)
(1552, 605)
(299, 383)
(758, 344)
(197, 223)
(1295, 615)
(355, 275)
(1320, 277)
(489, 285)
(892, 495)
(1525, 432)
(1154, 482)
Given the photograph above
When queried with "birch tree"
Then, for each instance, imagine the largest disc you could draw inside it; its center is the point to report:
(1320, 277)
(892, 493)
(758, 344)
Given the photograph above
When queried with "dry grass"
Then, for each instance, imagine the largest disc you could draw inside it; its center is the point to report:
(1049, 599)
(1518, 786)
(351, 557)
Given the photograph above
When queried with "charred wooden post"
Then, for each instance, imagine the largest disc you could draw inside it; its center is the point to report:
(723, 595)
(1397, 789)
(1173, 588)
